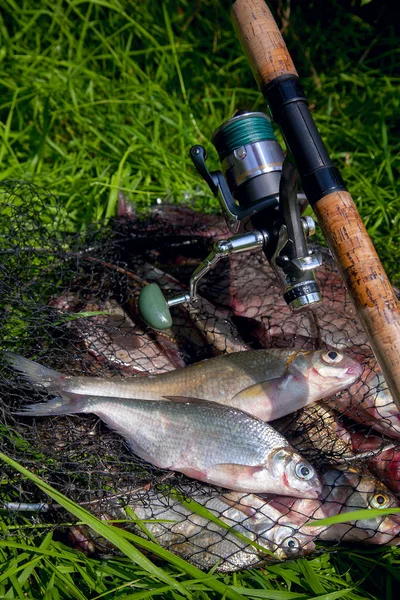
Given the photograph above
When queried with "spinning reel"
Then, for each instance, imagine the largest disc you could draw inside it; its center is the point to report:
(257, 192)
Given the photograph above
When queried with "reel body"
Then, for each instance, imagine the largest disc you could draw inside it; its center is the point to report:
(257, 192)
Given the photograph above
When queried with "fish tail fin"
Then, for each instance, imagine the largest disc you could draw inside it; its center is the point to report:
(38, 375)
(43, 378)
(70, 405)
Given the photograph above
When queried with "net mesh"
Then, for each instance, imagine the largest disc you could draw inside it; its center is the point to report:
(69, 302)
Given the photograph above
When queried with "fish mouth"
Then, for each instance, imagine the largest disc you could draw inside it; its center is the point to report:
(314, 493)
(391, 526)
(354, 370)
(342, 377)
(395, 519)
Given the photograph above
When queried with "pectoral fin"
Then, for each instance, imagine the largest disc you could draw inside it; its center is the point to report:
(195, 474)
(258, 390)
(235, 477)
(260, 399)
(272, 399)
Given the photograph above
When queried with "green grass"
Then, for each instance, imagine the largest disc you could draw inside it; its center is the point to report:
(101, 95)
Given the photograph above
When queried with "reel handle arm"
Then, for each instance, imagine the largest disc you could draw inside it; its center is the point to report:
(154, 307)
(336, 212)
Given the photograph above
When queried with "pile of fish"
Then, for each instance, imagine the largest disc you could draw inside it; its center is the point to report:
(284, 418)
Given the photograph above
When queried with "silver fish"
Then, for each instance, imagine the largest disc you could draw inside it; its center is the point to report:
(345, 491)
(208, 441)
(176, 526)
(268, 384)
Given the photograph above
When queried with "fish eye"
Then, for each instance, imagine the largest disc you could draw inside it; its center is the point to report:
(379, 501)
(304, 471)
(292, 543)
(332, 357)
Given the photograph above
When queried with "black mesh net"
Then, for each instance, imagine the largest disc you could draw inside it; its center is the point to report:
(69, 302)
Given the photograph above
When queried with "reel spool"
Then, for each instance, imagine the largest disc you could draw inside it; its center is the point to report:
(257, 192)
(251, 157)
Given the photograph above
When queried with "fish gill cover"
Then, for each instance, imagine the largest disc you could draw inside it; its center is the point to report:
(69, 302)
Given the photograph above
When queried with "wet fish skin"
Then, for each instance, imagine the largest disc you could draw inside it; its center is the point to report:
(386, 464)
(369, 402)
(344, 491)
(202, 542)
(265, 383)
(204, 440)
(241, 287)
(363, 491)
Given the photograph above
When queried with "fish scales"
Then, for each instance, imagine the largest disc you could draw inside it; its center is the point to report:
(207, 441)
(178, 527)
(165, 431)
(223, 377)
(266, 383)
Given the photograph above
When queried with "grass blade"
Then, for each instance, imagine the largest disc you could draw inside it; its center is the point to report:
(355, 515)
(118, 538)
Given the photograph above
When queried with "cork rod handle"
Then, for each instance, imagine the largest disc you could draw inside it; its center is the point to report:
(261, 40)
(337, 215)
(365, 279)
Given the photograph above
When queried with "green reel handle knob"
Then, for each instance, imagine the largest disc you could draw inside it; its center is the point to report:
(154, 308)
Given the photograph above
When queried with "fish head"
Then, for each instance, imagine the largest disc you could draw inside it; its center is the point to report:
(272, 525)
(327, 372)
(286, 537)
(346, 491)
(288, 542)
(294, 476)
(380, 530)
(356, 489)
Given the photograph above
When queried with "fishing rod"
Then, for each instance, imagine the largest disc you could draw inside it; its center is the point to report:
(257, 191)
